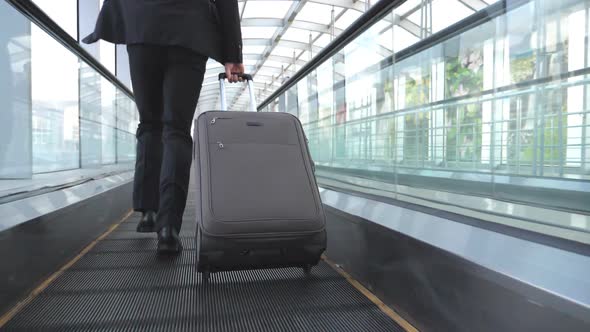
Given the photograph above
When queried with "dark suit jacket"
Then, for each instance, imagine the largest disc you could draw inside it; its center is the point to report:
(208, 27)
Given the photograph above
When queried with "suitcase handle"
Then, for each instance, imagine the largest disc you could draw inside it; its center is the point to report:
(222, 77)
(248, 77)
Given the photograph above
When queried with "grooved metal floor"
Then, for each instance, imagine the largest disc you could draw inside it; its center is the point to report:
(122, 285)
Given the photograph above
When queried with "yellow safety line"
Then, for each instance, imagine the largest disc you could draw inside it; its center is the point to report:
(387, 310)
(19, 306)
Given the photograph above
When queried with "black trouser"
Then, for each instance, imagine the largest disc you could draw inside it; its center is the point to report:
(166, 82)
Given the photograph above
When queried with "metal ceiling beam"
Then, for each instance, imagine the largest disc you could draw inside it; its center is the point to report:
(289, 18)
(294, 9)
(271, 43)
(209, 98)
(214, 89)
(408, 25)
(402, 21)
(256, 42)
(405, 23)
(278, 58)
(262, 22)
(280, 22)
(274, 79)
(289, 21)
(475, 5)
(243, 9)
(297, 45)
(348, 4)
(292, 13)
(301, 47)
(252, 56)
(272, 68)
(317, 27)
(285, 59)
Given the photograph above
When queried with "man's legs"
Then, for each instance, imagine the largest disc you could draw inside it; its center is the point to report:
(182, 85)
(147, 75)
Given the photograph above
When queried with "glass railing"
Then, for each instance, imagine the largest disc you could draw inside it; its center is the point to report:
(495, 106)
(57, 111)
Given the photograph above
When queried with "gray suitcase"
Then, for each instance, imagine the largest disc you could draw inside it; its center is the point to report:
(258, 204)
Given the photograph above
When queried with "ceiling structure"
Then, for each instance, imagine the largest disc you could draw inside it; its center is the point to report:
(280, 36)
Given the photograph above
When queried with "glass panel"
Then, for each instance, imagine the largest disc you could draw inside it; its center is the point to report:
(108, 121)
(402, 38)
(444, 13)
(88, 12)
(498, 110)
(55, 106)
(90, 117)
(292, 105)
(15, 95)
(122, 65)
(302, 101)
(127, 122)
(324, 130)
(57, 112)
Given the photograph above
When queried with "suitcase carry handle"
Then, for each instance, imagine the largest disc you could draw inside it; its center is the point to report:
(222, 77)
(248, 77)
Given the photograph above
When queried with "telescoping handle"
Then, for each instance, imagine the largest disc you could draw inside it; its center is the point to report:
(248, 78)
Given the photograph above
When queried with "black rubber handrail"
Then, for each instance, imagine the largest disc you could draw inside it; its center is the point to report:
(39, 17)
(370, 17)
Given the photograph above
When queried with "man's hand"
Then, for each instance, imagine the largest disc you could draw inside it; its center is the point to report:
(232, 70)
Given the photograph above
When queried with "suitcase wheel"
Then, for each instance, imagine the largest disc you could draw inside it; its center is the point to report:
(307, 269)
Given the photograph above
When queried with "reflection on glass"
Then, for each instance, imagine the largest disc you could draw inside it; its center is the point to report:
(127, 122)
(302, 100)
(292, 106)
(497, 109)
(15, 95)
(90, 117)
(55, 105)
(108, 121)
(56, 112)
(325, 93)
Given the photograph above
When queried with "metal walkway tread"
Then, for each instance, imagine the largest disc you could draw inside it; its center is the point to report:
(122, 285)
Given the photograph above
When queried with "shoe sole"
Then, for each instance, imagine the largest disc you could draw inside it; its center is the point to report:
(169, 248)
(145, 229)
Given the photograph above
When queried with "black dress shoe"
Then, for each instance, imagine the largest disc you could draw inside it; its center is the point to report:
(147, 223)
(168, 241)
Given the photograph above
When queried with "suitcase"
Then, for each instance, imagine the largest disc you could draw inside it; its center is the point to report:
(258, 204)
